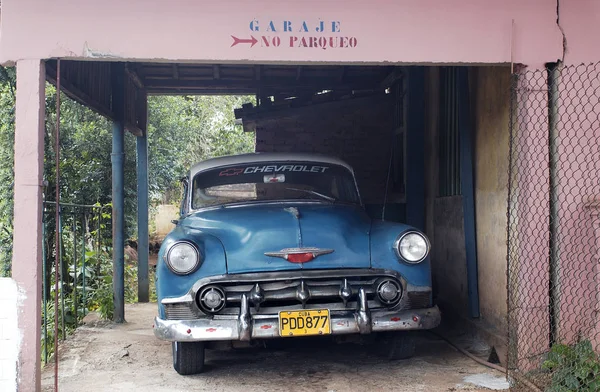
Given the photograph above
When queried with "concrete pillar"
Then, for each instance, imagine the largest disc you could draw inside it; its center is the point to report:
(27, 235)
(415, 149)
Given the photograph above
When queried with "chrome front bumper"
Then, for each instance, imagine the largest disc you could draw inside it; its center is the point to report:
(246, 327)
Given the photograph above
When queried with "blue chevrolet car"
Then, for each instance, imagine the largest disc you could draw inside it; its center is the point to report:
(273, 245)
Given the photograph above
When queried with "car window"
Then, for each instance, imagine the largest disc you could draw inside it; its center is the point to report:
(274, 181)
(183, 206)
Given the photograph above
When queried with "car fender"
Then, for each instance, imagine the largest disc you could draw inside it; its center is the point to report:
(383, 254)
(212, 254)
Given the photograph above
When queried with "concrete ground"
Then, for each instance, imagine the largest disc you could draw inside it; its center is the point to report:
(107, 357)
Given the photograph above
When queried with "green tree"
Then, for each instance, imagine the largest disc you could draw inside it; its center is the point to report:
(182, 131)
(7, 139)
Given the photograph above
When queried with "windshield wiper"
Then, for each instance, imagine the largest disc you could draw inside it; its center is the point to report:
(328, 198)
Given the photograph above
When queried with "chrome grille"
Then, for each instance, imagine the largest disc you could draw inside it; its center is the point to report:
(303, 293)
(417, 300)
(271, 292)
(181, 311)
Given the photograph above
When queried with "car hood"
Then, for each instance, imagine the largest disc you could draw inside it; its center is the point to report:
(248, 232)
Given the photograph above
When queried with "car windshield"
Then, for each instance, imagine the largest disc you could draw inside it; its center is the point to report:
(268, 181)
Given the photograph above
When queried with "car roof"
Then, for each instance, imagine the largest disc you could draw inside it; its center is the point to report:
(260, 157)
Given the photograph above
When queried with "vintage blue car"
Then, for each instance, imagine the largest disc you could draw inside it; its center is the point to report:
(273, 245)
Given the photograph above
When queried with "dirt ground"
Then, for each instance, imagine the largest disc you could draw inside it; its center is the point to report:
(127, 357)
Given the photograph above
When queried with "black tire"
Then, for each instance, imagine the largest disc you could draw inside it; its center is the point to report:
(397, 345)
(188, 357)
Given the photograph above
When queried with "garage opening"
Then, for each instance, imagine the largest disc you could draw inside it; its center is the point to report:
(429, 147)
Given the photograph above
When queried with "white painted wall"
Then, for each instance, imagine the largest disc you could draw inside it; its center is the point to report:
(9, 335)
(165, 213)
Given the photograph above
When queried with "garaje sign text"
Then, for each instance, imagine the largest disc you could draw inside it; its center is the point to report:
(319, 34)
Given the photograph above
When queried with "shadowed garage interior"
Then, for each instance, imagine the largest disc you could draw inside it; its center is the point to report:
(429, 146)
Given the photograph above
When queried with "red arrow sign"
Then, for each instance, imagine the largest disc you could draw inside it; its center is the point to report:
(252, 41)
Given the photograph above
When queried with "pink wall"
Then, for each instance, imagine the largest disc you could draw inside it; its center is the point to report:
(408, 31)
(579, 171)
(528, 298)
(580, 22)
(578, 233)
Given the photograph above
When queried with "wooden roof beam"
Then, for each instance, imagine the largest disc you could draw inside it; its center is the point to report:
(392, 77)
(76, 94)
(273, 84)
(131, 72)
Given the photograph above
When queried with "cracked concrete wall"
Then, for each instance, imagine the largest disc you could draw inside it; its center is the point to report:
(491, 101)
(579, 22)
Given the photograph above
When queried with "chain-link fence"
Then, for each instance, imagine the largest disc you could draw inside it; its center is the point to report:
(554, 229)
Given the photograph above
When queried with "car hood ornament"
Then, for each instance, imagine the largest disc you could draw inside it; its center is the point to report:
(299, 255)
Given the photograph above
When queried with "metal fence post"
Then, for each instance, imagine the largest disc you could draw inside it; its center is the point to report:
(44, 287)
(74, 229)
(118, 197)
(83, 269)
(554, 256)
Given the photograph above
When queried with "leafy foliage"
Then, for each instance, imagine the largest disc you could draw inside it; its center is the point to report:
(182, 131)
(7, 139)
(185, 130)
(574, 368)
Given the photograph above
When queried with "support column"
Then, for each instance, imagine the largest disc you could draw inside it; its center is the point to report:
(142, 203)
(118, 194)
(467, 186)
(415, 149)
(27, 235)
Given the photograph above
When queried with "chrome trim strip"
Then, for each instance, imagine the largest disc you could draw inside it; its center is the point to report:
(267, 326)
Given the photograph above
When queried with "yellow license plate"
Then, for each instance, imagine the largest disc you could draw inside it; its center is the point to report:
(304, 322)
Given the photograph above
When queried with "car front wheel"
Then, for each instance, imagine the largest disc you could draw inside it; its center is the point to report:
(188, 357)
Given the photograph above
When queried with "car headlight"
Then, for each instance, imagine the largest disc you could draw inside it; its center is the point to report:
(183, 258)
(412, 247)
